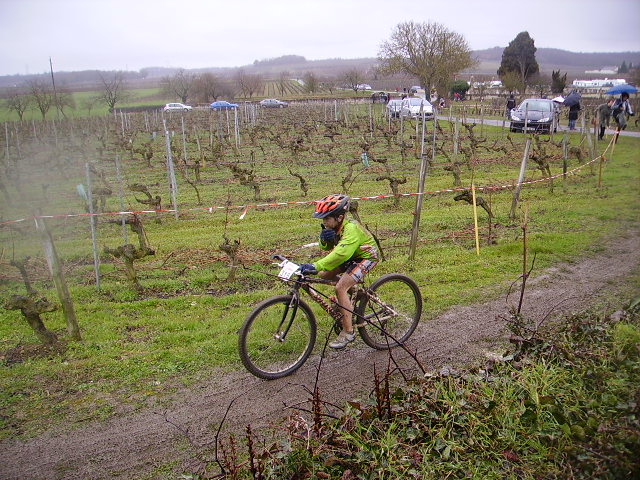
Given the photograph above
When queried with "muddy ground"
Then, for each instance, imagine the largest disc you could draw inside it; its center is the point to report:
(182, 427)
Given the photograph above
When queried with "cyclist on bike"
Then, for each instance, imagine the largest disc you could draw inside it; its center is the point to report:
(352, 253)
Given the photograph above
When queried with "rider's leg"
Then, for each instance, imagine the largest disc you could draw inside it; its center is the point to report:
(342, 292)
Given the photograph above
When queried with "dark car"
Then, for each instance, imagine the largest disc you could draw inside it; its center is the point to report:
(539, 115)
(273, 103)
(222, 105)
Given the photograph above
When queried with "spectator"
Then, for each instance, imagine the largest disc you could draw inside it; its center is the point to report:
(603, 116)
(620, 109)
(511, 104)
(573, 115)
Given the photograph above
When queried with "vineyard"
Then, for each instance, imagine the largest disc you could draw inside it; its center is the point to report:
(165, 225)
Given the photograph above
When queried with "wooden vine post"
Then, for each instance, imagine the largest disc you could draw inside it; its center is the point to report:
(424, 167)
(58, 278)
(523, 169)
(173, 185)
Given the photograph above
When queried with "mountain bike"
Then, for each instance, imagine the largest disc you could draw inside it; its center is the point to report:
(279, 334)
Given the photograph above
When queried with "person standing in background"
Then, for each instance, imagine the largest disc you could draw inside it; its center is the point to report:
(511, 104)
(603, 116)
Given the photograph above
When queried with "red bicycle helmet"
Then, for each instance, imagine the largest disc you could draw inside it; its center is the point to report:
(332, 205)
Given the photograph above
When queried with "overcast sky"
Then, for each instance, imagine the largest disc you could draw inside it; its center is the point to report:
(133, 34)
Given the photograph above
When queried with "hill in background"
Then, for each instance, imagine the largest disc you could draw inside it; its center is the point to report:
(575, 64)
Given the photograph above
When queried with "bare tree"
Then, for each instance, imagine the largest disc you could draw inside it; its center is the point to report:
(64, 99)
(353, 79)
(41, 96)
(18, 102)
(428, 51)
(248, 83)
(513, 82)
(88, 103)
(283, 82)
(541, 84)
(207, 87)
(180, 85)
(311, 82)
(330, 83)
(113, 89)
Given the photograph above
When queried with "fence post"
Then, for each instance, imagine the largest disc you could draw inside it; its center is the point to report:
(173, 186)
(184, 140)
(125, 235)
(424, 166)
(92, 222)
(456, 136)
(523, 169)
(565, 158)
(58, 278)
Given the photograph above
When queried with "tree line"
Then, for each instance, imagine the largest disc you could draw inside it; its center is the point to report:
(427, 51)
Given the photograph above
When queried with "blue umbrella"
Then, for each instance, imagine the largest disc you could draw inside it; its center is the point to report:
(625, 88)
(572, 99)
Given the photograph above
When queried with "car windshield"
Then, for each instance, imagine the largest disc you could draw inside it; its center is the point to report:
(535, 105)
(418, 101)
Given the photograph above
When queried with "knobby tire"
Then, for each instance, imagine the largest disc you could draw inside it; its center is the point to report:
(387, 327)
(262, 353)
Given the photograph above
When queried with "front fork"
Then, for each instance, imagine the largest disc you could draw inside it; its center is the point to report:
(288, 315)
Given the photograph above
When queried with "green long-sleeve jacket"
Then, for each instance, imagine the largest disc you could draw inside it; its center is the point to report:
(355, 243)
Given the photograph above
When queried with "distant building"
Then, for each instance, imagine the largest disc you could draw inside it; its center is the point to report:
(601, 83)
(603, 71)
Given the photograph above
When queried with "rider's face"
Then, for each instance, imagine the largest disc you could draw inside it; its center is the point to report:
(332, 222)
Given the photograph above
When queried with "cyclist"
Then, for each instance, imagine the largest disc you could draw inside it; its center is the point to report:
(352, 253)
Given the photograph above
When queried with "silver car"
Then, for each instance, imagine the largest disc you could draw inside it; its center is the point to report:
(273, 103)
(415, 106)
(176, 107)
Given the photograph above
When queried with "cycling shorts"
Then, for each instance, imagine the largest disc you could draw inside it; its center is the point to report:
(357, 269)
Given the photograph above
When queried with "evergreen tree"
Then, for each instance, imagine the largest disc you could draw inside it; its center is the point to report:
(623, 68)
(520, 57)
(558, 83)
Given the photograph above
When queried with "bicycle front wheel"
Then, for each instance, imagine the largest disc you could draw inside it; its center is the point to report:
(277, 337)
(389, 311)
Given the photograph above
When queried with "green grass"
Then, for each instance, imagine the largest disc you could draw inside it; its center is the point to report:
(182, 326)
(565, 408)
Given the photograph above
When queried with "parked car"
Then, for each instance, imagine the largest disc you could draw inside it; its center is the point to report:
(273, 103)
(539, 114)
(363, 86)
(169, 107)
(223, 105)
(393, 108)
(379, 97)
(411, 108)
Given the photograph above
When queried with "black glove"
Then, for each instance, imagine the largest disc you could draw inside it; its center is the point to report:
(308, 269)
(328, 236)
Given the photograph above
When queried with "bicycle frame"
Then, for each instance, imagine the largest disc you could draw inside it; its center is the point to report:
(304, 283)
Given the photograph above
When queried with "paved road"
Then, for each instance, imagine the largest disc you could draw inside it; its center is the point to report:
(498, 123)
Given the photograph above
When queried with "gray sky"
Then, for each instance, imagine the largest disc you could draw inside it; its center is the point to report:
(132, 34)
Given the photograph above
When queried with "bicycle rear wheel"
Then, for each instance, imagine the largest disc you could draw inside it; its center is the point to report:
(277, 337)
(390, 313)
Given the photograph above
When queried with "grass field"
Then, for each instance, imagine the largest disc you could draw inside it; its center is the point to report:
(181, 325)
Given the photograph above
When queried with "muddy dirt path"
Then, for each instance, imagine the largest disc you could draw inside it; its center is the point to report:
(132, 446)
